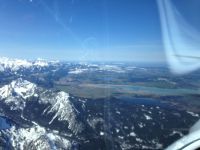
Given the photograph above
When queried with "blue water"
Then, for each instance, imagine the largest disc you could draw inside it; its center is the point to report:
(144, 101)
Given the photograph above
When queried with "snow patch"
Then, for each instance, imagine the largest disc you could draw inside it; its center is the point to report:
(101, 133)
(132, 134)
(141, 125)
(147, 117)
(139, 140)
(77, 71)
(193, 114)
(176, 132)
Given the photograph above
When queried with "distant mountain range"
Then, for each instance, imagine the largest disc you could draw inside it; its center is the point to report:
(17, 64)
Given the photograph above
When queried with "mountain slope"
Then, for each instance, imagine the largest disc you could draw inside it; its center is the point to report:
(34, 111)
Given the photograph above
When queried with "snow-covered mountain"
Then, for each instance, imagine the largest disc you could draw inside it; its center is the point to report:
(17, 64)
(18, 87)
(41, 109)
(35, 137)
(16, 93)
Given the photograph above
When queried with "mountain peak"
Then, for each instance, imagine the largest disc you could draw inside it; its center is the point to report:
(19, 87)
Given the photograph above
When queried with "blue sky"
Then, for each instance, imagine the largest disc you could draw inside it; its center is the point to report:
(107, 30)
